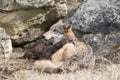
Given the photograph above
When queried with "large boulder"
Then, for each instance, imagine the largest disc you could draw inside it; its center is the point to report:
(97, 22)
(26, 20)
(9, 5)
(5, 44)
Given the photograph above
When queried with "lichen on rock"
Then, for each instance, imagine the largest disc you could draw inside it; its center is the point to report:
(5, 44)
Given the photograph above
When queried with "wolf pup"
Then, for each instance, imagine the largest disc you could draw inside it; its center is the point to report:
(43, 50)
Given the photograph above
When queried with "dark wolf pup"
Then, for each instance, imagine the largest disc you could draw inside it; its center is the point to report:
(44, 50)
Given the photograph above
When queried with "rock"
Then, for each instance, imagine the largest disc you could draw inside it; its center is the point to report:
(94, 16)
(10, 5)
(103, 44)
(97, 22)
(34, 3)
(29, 22)
(5, 44)
(7, 5)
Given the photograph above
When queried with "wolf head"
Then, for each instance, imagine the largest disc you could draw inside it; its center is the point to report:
(57, 30)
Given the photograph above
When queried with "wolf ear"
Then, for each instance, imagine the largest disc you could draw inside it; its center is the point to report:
(66, 27)
(60, 21)
(70, 25)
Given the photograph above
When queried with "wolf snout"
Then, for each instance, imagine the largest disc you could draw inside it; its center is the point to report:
(43, 37)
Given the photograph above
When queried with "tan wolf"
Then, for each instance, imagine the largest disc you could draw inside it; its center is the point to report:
(72, 56)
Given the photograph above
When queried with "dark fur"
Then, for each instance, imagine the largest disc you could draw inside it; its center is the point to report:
(44, 50)
(35, 51)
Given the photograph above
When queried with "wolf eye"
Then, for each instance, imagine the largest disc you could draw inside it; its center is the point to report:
(54, 30)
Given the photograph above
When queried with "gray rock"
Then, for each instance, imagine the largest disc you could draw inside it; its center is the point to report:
(5, 44)
(97, 22)
(28, 23)
(97, 15)
(10, 5)
(34, 3)
(7, 5)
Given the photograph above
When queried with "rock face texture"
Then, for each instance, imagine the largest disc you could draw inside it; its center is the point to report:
(5, 44)
(9, 5)
(97, 22)
(35, 3)
(26, 20)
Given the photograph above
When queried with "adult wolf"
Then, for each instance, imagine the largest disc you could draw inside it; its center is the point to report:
(71, 49)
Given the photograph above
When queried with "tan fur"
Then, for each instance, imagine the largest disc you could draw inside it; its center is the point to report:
(58, 59)
(46, 65)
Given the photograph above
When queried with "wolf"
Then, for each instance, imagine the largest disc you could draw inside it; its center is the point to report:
(73, 52)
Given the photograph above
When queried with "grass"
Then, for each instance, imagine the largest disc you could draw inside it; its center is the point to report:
(25, 71)
(111, 72)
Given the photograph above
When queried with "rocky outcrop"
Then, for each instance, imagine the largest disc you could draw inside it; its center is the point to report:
(5, 44)
(34, 3)
(26, 20)
(9, 5)
(97, 22)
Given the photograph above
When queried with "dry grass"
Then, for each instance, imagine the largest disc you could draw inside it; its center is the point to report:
(23, 70)
(109, 73)
(26, 72)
